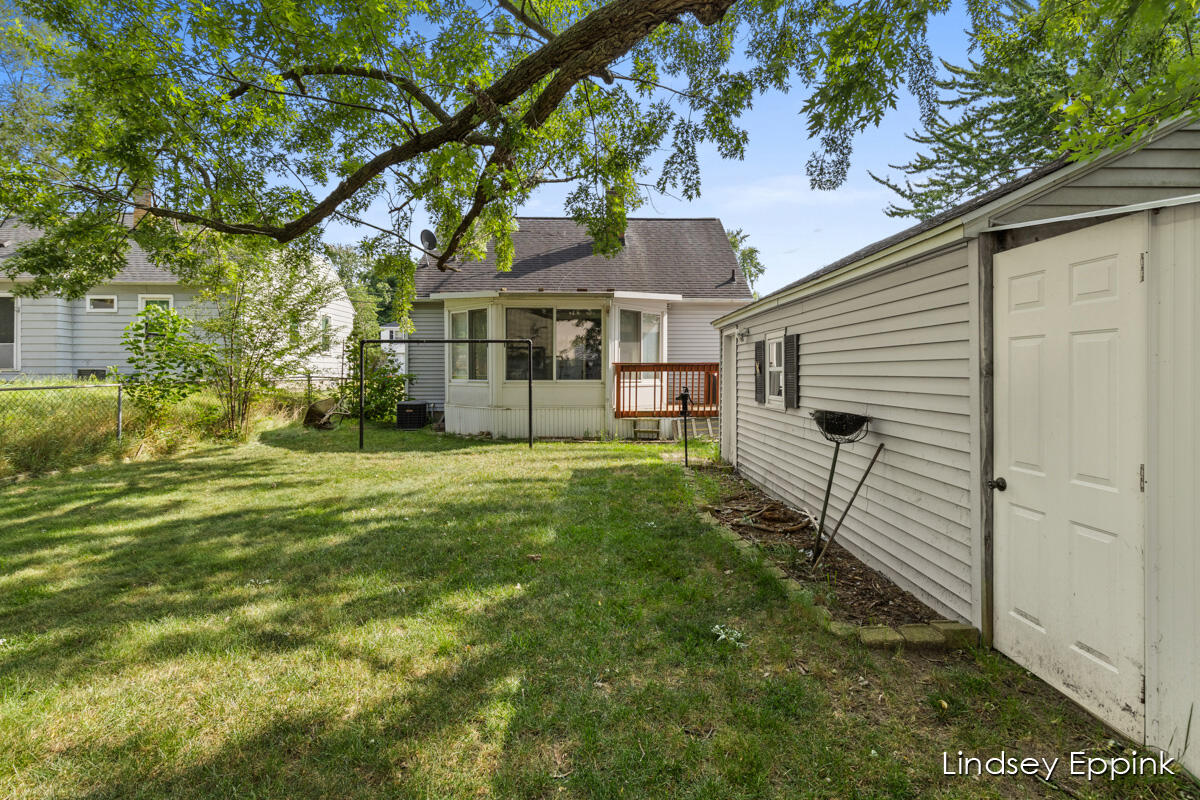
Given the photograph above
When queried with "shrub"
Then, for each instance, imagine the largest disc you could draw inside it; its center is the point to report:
(383, 386)
(167, 362)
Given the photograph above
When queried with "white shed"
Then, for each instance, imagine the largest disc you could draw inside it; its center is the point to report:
(1045, 334)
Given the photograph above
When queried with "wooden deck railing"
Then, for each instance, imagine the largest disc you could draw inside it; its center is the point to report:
(649, 390)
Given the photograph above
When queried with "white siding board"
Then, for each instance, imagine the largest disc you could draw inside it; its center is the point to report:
(1166, 167)
(1173, 548)
(895, 346)
(929, 333)
(427, 362)
(918, 283)
(692, 336)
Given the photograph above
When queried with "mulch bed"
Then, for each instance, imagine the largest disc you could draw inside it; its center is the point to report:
(851, 590)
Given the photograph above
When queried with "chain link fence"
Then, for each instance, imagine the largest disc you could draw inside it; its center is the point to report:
(46, 426)
(58, 423)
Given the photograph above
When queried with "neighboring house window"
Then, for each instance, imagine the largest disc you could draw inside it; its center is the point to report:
(102, 303)
(567, 343)
(326, 334)
(639, 337)
(8, 333)
(577, 344)
(775, 369)
(469, 361)
(160, 300)
(163, 301)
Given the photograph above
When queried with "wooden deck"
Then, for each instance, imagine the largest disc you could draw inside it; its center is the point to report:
(651, 389)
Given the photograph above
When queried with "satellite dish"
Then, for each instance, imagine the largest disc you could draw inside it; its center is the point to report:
(428, 240)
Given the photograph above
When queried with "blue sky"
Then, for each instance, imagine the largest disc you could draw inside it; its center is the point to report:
(767, 194)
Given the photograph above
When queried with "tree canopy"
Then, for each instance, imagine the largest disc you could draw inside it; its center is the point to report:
(275, 119)
(747, 256)
(1045, 90)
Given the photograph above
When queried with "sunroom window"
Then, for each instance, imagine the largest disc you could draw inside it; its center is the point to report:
(469, 361)
(567, 343)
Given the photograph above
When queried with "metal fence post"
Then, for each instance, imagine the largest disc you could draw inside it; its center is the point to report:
(362, 367)
(120, 416)
(530, 394)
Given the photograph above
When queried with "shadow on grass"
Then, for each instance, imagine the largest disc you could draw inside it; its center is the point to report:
(377, 438)
(481, 669)
(444, 618)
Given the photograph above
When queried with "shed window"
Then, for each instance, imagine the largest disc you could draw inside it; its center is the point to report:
(775, 369)
(469, 361)
(8, 333)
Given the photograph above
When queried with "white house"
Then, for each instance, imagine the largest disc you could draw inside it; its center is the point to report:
(615, 339)
(52, 336)
(1031, 359)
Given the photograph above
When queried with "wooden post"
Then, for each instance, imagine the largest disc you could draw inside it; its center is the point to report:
(987, 247)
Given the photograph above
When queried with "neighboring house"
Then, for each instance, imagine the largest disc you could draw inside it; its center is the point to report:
(390, 332)
(82, 338)
(651, 305)
(1031, 360)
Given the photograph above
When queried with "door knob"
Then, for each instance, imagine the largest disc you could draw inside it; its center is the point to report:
(999, 484)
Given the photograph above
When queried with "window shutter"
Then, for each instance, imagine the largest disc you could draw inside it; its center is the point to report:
(760, 371)
(790, 393)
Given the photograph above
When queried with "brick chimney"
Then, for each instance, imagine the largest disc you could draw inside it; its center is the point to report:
(145, 196)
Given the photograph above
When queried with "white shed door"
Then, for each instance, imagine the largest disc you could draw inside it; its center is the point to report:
(1070, 440)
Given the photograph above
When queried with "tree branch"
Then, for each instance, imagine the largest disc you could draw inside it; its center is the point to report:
(585, 48)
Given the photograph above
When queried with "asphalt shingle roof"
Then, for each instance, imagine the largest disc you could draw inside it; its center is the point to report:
(689, 257)
(138, 267)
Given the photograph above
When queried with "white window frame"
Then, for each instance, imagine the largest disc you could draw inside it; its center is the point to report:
(326, 333)
(641, 339)
(16, 367)
(487, 366)
(775, 368)
(556, 307)
(88, 303)
(142, 298)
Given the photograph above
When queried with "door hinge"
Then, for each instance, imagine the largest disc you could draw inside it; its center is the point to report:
(1142, 267)
(1142, 477)
(1142, 694)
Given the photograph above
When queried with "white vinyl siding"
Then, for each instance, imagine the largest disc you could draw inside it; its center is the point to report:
(1165, 167)
(43, 334)
(1173, 473)
(897, 348)
(427, 362)
(693, 338)
(95, 340)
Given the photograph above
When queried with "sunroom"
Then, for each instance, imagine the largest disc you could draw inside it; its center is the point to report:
(599, 364)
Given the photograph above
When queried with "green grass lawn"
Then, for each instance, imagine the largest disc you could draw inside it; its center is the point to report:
(448, 618)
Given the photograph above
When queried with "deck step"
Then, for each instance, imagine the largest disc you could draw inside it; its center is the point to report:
(645, 433)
